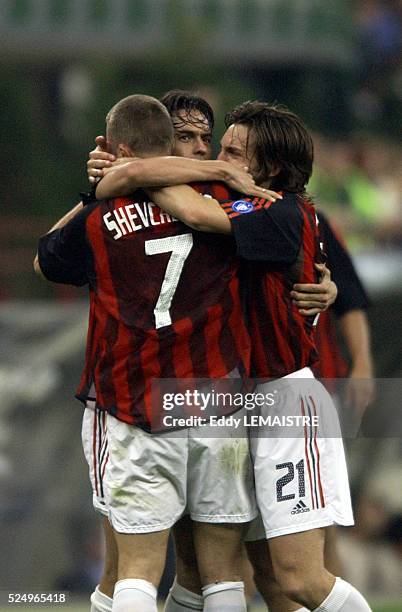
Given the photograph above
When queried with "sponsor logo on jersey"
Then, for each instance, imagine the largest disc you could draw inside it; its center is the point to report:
(242, 206)
(300, 507)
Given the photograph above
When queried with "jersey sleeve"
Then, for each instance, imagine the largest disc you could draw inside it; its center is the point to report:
(351, 293)
(266, 231)
(63, 252)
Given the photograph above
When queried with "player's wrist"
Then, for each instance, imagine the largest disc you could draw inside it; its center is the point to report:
(362, 368)
(221, 170)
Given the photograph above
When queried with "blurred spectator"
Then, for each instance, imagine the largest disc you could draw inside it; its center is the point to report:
(358, 183)
(379, 33)
(394, 534)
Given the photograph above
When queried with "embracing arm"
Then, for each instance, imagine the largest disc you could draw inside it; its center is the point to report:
(130, 174)
(311, 298)
(201, 213)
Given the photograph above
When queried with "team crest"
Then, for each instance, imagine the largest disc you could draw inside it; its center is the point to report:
(242, 206)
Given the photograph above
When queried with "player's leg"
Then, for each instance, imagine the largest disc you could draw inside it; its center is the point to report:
(109, 575)
(264, 578)
(321, 591)
(102, 597)
(221, 501)
(141, 563)
(307, 583)
(219, 548)
(94, 441)
(299, 492)
(185, 593)
(186, 561)
(145, 488)
(331, 555)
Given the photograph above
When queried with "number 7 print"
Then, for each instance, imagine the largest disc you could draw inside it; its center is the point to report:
(180, 247)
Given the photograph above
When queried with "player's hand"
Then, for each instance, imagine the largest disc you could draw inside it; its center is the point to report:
(99, 158)
(310, 298)
(241, 180)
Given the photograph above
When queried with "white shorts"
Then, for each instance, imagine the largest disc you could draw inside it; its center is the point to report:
(301, 482)
(151, 480)
(94, 442)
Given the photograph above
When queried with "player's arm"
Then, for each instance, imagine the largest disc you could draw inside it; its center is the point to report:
(60, 223)
(62, 252)
(355, 331)
(204, 214)
(126, 175)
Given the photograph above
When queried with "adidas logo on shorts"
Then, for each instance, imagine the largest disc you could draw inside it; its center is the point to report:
(300, 507)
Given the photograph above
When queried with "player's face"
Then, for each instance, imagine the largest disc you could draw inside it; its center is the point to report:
(192, 135)
(237, 148)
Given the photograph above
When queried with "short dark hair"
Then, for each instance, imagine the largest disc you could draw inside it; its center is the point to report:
(178, 100)
(281, 139)
(142, 123)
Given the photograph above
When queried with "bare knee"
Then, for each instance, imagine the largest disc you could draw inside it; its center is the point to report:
(299, 582)
(291, 585)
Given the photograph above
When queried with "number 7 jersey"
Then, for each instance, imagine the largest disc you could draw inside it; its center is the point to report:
(164, 300)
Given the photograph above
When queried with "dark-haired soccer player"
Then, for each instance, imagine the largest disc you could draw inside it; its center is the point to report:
(279, 241)
(193, 122)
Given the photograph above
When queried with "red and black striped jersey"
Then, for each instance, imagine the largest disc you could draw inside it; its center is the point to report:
(164, 300)
(279, 244)
(351, 296)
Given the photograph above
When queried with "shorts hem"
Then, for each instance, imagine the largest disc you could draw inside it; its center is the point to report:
(142, 528)
(325, 522)
(306, 527)
(145, 528)
(223, 518)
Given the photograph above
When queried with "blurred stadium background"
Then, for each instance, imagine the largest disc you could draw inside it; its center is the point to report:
(63, 64)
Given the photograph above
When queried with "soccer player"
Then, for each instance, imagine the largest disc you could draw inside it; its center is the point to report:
(350, 311)
(138, 332)
(274, 144)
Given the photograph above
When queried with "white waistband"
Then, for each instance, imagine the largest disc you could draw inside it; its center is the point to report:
(303, 373)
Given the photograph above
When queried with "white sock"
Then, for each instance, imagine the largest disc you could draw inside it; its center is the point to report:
(100, 602)
(344, 598)
(224, 597)
(182, 600)
(134, 595)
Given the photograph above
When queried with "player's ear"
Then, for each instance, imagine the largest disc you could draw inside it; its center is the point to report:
(124, 150)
